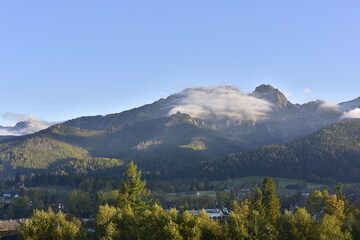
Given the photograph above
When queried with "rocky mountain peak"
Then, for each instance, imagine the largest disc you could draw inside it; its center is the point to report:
(22, 124)
(270, 94)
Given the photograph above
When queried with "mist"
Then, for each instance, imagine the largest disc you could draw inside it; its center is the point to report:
(221, 102)
(31, 124)
(352, 114)
(329, 106)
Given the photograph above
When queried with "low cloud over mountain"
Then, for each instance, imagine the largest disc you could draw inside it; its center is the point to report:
(352, 114)
(220, 102)
(26, 124)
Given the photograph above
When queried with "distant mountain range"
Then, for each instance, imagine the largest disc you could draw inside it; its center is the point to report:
(195, 125)
(24, 127)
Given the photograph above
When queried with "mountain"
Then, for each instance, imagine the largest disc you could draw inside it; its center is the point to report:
(350, 105)
(24, 128)
(194, 125)
(39, 153)
(262, 117)
(271, 94)
(330, 153)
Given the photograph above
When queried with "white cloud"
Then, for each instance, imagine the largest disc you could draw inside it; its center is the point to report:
(4, 132)
(352, 114)
(307, 90)
(329, 106)
(16, 117)
(205, 102)
(33, 124)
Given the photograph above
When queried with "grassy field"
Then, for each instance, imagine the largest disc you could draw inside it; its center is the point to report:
(251, 181)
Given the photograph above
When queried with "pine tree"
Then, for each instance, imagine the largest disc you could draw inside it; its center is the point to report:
(133, 192)
(257, 201)
(270, 202)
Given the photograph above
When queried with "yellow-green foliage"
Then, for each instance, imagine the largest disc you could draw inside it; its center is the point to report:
(147, 144)
(195, 145)
(49, 225)
(37, 152)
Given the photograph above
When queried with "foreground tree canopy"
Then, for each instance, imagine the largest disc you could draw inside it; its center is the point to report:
(50, 225)
(133, 216)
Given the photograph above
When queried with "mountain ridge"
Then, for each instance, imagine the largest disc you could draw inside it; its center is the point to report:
(161, 135)
(330, 153)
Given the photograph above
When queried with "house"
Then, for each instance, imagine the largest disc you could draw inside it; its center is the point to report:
(214, 213)
(8, 228)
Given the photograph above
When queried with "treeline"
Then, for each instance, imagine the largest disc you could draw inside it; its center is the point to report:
(134, 215)
(92, 183)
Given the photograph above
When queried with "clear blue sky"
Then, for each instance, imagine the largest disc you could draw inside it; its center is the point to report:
(64, 59)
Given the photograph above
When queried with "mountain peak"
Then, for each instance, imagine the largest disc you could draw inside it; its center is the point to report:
(270, 94)
(24, 127)
(22, 124)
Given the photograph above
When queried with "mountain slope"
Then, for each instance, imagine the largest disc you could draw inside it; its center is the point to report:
(350, 105)
(262, 117)
(155, 143)
(194, 125)
(35, 153)
(332, 152)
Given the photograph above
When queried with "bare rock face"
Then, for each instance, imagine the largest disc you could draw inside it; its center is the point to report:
(271, 94)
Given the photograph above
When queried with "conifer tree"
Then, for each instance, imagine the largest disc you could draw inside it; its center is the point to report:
(257, 201)
(133, 192)
(270, 202)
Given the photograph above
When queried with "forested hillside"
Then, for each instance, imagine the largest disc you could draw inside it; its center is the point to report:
(37, 154)
(333, 152)
(195, 125)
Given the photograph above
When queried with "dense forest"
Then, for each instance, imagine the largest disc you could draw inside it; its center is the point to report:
(134, 214)
(332, 153)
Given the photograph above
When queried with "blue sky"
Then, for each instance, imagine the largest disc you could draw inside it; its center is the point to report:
(64, 59)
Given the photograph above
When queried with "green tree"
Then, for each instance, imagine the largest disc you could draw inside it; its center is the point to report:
(49, 225)
(160, 224)
(19, 208)
(257, 201)
(105, 226)
(189, 227)
(270, 210)
(79, 202)
(224, 198)
(270, 202)
(330, 228)
(133, 192)
(298, 226)
(335, 207)
(316, 201)
(107, 197)
(210, 229)
(238, 220)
